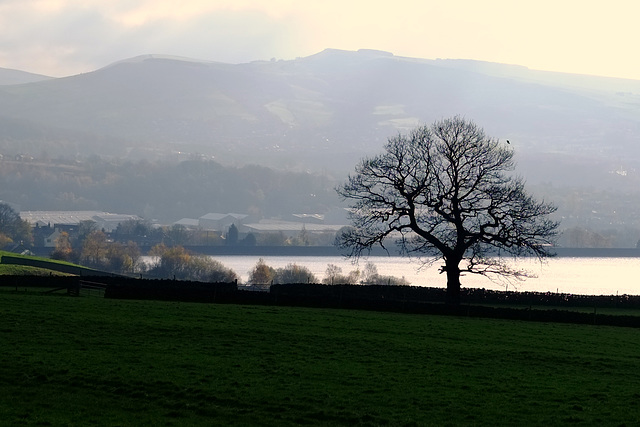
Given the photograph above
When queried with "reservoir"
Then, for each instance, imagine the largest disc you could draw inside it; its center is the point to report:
(573, 275)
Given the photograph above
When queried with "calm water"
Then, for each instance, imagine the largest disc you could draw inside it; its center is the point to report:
(590, 276)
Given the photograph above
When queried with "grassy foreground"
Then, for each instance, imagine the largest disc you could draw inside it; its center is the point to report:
(12, 269)
(91, 361)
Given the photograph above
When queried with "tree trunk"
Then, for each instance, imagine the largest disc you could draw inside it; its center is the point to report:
(453, 283)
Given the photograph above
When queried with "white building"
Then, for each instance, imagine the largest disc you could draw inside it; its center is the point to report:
(288, 228)
(104, 220)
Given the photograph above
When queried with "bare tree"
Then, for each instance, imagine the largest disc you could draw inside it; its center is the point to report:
(447, 190)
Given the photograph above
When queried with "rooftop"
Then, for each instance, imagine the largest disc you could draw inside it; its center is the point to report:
(43, 218)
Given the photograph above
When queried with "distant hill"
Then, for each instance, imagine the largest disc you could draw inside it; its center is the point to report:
(325, 111)
(16, 77)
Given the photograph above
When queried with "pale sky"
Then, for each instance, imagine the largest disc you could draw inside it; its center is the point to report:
(65, 37)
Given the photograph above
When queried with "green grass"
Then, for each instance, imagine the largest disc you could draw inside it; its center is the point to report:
(24, 270)
(12, 269)
(91, 361)
(38, 258)
(17, 270)
(610, 311)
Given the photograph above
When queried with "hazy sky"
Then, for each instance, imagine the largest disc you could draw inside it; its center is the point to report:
(63, 37)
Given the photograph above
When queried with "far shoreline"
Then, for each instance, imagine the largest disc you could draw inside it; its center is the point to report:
(332, 251)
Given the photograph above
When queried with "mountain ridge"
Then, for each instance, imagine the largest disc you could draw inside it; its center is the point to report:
(322, 111)
(9, 76)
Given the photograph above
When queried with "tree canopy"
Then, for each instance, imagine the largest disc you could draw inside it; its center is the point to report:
(179, 263)
(12, 227)
(447, 190)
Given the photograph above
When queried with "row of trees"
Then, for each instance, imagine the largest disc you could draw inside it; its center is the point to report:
(262, 274)
(368, 276)
(178, 263)
(96, 251)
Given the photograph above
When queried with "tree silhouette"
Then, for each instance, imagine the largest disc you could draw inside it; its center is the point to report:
(294, 273)
(94, 248)
(446, 190)
(261, 274)
(63, 249)
(12, 227)
(8, 219)
(232, 235)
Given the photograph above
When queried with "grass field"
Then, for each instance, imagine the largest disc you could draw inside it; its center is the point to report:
(12, 269)
(41, 266)
(25, 270)
(92, 361)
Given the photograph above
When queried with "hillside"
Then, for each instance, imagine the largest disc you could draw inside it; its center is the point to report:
(115, 138)
(324, 111)
(16, 77)
(15, 264)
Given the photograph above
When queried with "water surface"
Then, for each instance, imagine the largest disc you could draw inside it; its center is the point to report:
(589, 276)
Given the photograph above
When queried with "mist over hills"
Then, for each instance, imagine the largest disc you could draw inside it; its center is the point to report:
(321, 112)
(324, 112)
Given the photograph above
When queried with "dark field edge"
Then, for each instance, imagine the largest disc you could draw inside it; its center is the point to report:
(400, 299)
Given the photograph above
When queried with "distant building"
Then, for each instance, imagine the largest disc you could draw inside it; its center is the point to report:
(188, 223)
(309, 218)
(219, 221)
(51, 240)
(109, 221)
(104, 220)
(288, 228)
